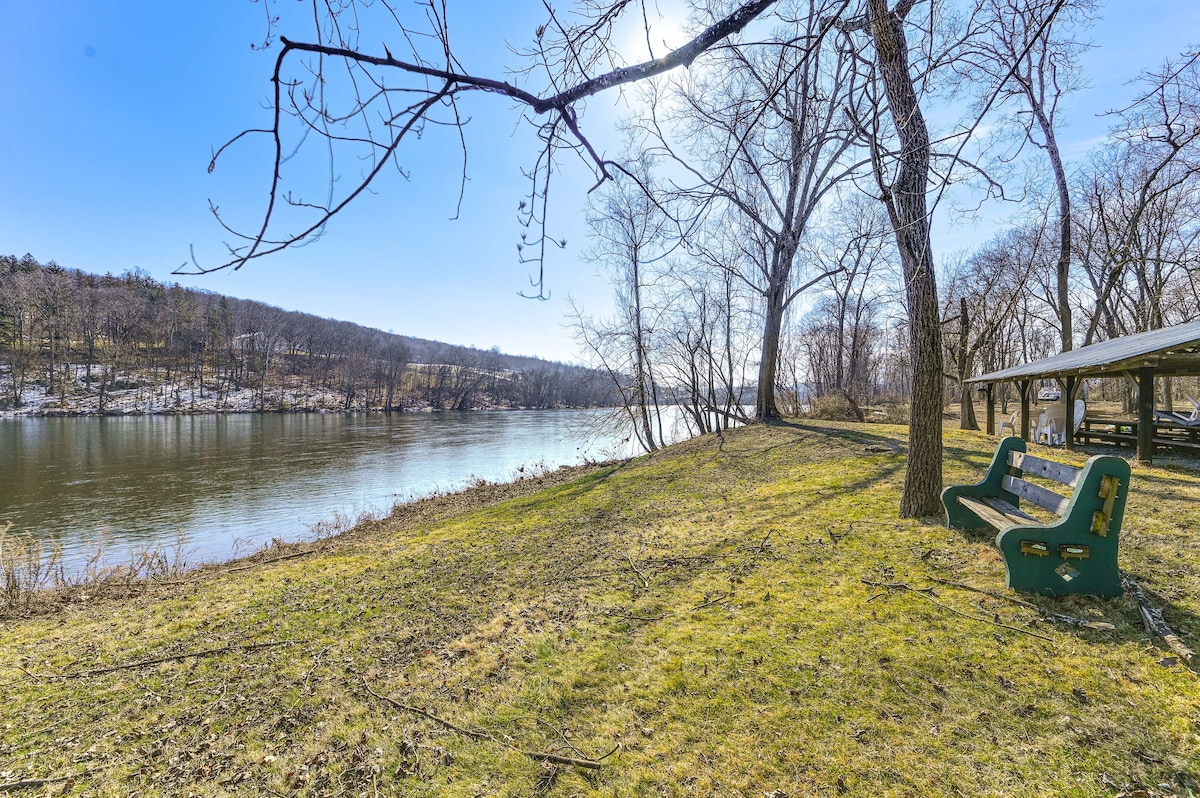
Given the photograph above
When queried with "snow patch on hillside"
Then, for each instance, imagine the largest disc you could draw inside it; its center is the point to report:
(138, 396)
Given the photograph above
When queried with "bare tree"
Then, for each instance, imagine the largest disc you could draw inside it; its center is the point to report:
(1133, 184)
(982, 295)
(707, 347)
(856, 238)
(1029, 57)
(629, 234)
(768, 137)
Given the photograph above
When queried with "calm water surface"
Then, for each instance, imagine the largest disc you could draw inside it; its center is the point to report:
(226, 485)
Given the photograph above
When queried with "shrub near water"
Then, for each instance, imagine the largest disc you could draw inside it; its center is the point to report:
(738, 615)
(35, 577)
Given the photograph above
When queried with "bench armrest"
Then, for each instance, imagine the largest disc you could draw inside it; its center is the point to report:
(960, 517)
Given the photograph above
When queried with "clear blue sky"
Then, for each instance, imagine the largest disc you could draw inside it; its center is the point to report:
(111, 111)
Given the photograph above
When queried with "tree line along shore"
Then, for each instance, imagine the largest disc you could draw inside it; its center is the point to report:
(79, 343)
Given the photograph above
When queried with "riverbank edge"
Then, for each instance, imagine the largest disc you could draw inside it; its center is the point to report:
(58, 413)
(34, 581)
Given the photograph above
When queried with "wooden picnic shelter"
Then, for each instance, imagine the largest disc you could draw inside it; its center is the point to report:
(1140, 358)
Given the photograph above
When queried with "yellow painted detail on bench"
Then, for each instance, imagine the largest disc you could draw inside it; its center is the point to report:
(1109, 487)
(1072, 551)
(1035, 547)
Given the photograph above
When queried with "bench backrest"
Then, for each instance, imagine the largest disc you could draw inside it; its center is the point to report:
(1036, 466)
(1028, 464)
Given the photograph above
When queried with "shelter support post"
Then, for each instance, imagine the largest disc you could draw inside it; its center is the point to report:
(1023, 386)
(1069, 389)
(991, 410)
(1145, 412)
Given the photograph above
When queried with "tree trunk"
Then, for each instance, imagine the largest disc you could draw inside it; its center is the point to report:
(965, 363)
(766, 409)
(910, 219)
(1063, 272)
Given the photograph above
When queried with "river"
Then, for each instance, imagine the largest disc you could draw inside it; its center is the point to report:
(216, 487)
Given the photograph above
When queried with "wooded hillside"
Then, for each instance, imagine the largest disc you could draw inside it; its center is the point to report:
(80, 339)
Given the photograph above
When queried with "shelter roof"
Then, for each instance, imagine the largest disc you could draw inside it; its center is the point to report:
(1171, 352)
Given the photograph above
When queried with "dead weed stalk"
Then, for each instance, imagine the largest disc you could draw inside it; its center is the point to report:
(36, 576)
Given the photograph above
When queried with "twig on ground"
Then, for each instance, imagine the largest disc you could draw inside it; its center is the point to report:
(717, 600)
(636, 570)
(1154, 622)
(644, 618)
(890, 586)
(763, 546)
(1057, 617)
(560, 734)
(472, 733)
(268, 562)
(174, 657)
(591, 764)
(30, 784)
(929, 594)
(476, 734)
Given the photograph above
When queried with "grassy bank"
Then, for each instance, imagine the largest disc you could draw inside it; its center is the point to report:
(738, 615)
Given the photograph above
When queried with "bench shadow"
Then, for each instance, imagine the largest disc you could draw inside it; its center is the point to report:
(1123, 612)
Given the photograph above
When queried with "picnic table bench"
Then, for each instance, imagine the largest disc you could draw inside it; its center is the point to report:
(1168, 433)
(1076, 551)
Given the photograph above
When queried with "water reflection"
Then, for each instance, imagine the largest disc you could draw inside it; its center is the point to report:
(227, 484)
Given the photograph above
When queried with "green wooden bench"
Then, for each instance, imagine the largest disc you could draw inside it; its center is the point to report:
(1076, 553)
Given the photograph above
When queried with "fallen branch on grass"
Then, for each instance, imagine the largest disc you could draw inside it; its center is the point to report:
(590, 764)
(1154, 622)
(928, 593)
(717, 600)
(475, 734)
(32, 784)
(174, 657)
(628, 616)
(268, 562)
(763, 546)
(479, 734)
(636, 570)
(1057, 617)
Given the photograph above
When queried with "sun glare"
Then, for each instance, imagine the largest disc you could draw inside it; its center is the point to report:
(662, 29)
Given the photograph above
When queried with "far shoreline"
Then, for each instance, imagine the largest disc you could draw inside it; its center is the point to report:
(43, 412)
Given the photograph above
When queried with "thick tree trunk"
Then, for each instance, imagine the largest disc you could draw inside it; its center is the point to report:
(766, 409)
(910, 219)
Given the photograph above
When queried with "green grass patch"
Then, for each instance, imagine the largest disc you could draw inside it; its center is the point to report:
(737, 615)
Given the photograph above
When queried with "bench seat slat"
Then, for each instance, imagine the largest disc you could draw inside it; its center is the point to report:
(1046, 499)
(996, 512)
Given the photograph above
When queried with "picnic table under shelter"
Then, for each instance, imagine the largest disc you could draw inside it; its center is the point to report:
(1141, 358)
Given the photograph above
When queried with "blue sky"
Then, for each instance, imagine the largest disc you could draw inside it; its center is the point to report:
(111, 111)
